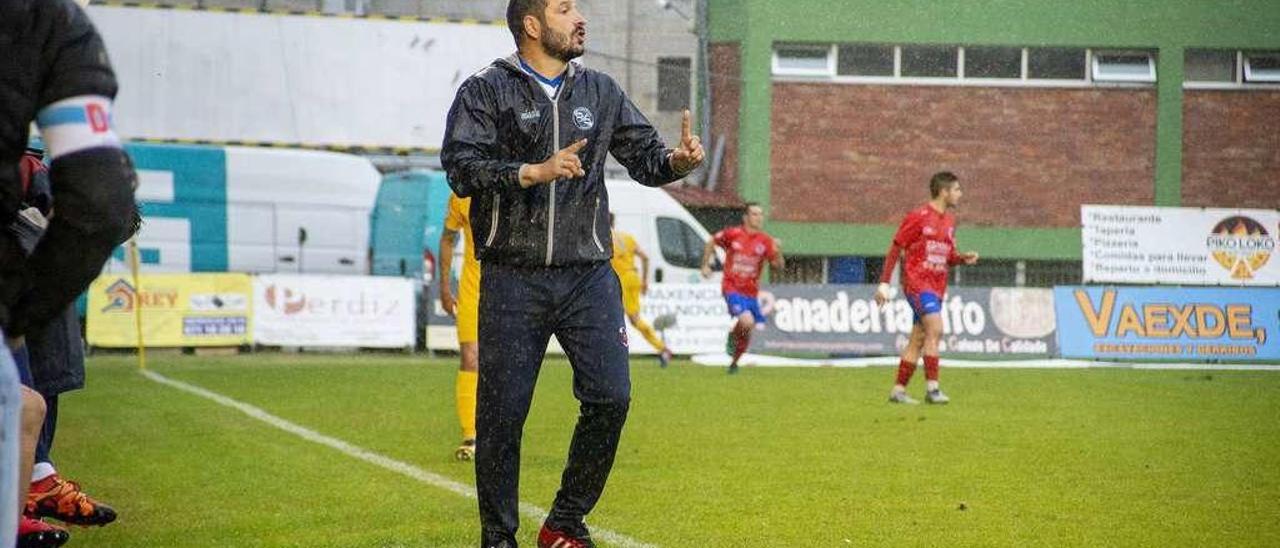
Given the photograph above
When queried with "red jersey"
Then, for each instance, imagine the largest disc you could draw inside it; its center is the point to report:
(745, 253)
(928, 238)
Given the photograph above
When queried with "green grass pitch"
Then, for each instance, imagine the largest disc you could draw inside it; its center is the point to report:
(770, 457)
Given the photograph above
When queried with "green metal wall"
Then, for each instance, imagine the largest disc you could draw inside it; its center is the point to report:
(1169, 26)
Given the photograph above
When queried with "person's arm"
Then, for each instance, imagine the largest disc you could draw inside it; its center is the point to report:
(886, 275)
(708, 253)
(776, 260)
(890, 263)
(470, 151)
(907, 232)
(91, 178)
(966, 258)
(637, 146)
(644, 270)
(448, 240)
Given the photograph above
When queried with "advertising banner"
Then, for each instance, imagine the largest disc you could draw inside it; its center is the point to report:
(177, 310)
(1226, 324)
(692, 318)
(844, 319)
(1176, 245)
(333, 311)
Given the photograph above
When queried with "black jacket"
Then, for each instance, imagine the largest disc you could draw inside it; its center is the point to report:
(501, 119)
(49, 51)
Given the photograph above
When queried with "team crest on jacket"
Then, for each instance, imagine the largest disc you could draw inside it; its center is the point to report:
(622, 335)
(583, 119)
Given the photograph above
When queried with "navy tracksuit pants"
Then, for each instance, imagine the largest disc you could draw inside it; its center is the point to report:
(520, 309)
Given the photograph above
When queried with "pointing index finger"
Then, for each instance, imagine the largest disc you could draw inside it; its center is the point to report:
(686, 131)
(576, 146)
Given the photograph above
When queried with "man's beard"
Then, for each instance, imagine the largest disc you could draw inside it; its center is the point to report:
(560, 45)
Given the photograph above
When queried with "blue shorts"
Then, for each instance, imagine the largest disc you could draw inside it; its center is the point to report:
(739, 303)
(923, 304)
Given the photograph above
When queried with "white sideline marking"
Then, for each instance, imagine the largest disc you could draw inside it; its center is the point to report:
(435, 480)
(761, 360)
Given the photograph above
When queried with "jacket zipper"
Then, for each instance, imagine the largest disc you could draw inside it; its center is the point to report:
(595, 218)
(551, 195)
(493, 223)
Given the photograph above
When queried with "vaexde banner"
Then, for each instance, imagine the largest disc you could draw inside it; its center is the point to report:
(1197, 324)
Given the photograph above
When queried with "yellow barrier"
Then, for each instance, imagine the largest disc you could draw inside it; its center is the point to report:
(214, 309)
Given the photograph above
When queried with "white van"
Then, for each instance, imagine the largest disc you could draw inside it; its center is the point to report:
(664, 230)
(239, 209)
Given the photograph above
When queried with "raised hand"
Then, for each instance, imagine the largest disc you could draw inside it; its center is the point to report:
(689, 154)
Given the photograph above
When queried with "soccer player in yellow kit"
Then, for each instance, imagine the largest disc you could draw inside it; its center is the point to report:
(466, 310)
(634, 283)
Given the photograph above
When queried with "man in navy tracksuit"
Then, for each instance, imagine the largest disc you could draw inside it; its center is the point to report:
(527, 139)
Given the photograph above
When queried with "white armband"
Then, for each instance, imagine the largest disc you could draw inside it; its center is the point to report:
(75, 124)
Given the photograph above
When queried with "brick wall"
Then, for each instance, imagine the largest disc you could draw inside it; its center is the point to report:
(725, 64)
(1027, 157)
(1231, 149)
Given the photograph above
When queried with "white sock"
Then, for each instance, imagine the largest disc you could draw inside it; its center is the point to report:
(41, 471)
(931, 385)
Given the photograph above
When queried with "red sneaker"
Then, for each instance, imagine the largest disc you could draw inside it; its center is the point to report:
(551, 538)
(33, 533)
(53, 497)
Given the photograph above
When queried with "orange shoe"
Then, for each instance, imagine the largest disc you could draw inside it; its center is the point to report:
(33, 533)
(53, 497)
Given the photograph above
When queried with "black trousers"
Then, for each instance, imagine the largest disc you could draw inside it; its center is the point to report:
(520, 309)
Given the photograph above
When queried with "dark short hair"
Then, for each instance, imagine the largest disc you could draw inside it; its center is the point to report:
(517, 10)
(746, 208)
(941, 181)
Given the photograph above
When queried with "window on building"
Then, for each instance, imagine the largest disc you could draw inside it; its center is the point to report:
(802, 60)
(674, 83)
(1262, 67)
(1134, 66)
(1056, 63)
(929, 61)
(864, 60)
(992, 62)
(1209, 65)
(680, 244)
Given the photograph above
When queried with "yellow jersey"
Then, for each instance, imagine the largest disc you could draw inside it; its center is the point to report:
(458, 219)
(624, 256)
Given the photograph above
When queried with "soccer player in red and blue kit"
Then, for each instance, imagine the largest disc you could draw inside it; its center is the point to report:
(927, 237)
(746, 249)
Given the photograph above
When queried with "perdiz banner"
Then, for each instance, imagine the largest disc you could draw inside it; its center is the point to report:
(333, 311)
(1176, 245)
(691, 318)
(844, 319)
(1221, 324)
(177, 310)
